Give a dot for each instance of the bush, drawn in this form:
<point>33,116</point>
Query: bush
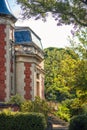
<point>85,108</point>
<point>63,112</point>
<point>78,123</point>
<point>76,107</point>
<point>38,105</point>
<point>27,106</point>
<point>22,121</point>
<point>16,99</point>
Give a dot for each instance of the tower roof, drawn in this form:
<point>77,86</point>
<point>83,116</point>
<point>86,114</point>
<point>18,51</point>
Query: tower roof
<point>4,11</point>
<point>26,36</point>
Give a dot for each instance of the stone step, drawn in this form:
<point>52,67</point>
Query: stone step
<point>55,123</point>
<point>57,120</point>
<point>59,127</point>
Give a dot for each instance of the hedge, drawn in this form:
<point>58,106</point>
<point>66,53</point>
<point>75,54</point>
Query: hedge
<point>78,123</point>
<point>22,121</point>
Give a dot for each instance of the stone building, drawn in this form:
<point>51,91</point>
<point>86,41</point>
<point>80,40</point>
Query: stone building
<point>21,59</point>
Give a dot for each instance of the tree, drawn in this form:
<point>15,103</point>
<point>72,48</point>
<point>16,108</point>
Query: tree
<point>60,73</point>
<point>64,11</point>
<point>79,46</point>
<point>79,43</point>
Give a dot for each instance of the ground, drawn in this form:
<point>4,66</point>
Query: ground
<point>57,124</point>
<point>59,127</point>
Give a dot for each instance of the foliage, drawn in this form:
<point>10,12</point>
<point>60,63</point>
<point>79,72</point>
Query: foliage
<point>63,112</point>
<point>78,123</point>
<point>81,74</point>
<point>27,106</point>
<point>60,70</point>
<point>63,11</point>
<point>66,80</point>
<point>22,121</point>
<point>16,99</point>
<point>38,105</point>
<point>78,43</point>
<point>71,107</point>
<point>79,46</point>
<point>77,108</point>
<point>6,111</point>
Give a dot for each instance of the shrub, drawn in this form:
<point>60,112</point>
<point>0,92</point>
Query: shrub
<point>78,123</point>
<point>16,99</point>
<point>22,121</point>
<point>27,106</point>
<point>76,107</point>
<point>38,105</point>
<point>6,111</point>
<point>63,112</point>
<point>84,108</point>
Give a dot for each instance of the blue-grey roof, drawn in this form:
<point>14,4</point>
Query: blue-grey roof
<point>22,37</point>
<point>4,9</point>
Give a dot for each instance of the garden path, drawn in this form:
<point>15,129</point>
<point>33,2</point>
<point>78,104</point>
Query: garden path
<point>58,124</point>
<point>59,127</point>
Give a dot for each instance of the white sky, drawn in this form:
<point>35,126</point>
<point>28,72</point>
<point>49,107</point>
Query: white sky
<point>51,35</point>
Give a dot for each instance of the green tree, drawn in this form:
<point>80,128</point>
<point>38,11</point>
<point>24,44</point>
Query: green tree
<point>60,73</point>
<point>80,47</point>
<point>64,11</point>
<point>79,101</point>
<point>79,43</point>
<point>66,80</point>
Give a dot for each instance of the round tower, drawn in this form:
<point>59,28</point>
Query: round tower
<point>7,21</point>
<point>29,63</point>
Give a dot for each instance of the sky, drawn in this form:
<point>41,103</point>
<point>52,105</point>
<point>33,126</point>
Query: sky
<point>51,35</point>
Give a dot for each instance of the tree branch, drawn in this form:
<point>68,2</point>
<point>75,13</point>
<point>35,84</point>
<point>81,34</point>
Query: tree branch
<point>84,1</point>
<point>78,21</point>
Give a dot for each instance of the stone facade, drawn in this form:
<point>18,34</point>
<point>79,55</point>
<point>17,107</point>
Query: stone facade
<point>29,70</point>
<point>21,59</point>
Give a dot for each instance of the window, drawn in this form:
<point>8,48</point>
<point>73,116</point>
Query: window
<point>37,76</point>
<point>38,89</point>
